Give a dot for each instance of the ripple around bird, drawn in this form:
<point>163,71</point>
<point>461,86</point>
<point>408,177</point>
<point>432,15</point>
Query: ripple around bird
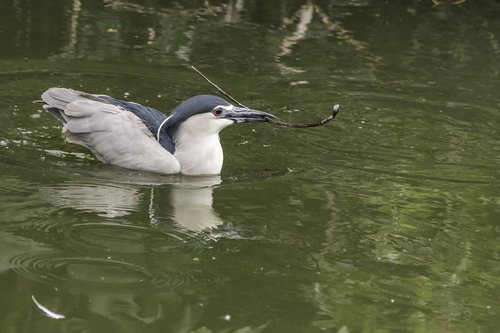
<point>94,272</point>
<point>128,239</point>
<point>50,267</point>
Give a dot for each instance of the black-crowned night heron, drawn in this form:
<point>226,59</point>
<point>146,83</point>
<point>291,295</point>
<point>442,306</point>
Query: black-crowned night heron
<point>138,137</point>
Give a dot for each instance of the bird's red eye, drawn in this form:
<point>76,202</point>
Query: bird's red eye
<point>217,111</point>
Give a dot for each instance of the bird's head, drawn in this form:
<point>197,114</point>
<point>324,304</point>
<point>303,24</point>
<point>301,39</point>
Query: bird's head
<point>208,114</point>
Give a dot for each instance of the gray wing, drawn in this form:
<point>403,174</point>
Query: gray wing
<point>113,134</point>
<point>152,118</point>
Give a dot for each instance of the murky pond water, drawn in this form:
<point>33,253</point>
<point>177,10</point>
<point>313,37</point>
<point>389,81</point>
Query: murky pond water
<point>383,221</point>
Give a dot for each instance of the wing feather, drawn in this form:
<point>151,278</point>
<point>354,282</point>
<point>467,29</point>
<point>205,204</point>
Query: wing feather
<point>117,136</point>
<point>58,98</point>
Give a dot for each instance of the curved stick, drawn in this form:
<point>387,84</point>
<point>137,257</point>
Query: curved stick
<point>335,111</point>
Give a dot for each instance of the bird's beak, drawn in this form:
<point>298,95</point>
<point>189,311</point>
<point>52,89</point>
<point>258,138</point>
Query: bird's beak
<point>245,115</point>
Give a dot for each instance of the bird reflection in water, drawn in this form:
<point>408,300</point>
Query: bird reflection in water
<point>124,274</point>
<point>188,201</point>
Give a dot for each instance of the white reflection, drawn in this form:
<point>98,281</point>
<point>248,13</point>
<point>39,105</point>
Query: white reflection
<point>105,200</point>
<point>189,199</point>
<point>72,39</point>
<point>305,15</point>
<point>193,208</point>
<point>341,32</point>
<point>184,51</point>
<point>49,313</point>
<point>233,9</point>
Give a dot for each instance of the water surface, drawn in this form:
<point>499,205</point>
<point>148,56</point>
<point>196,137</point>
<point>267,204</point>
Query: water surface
<point>383,221</point>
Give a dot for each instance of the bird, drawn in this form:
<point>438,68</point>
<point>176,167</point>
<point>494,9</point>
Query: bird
<point>138,137</point>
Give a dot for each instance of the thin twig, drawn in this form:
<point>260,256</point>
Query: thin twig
<point>335,111</point>
<point>218,88</point>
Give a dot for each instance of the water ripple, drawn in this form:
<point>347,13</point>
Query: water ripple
<point>53,268</point>
<point>49,267</point>
<point>129,239</point>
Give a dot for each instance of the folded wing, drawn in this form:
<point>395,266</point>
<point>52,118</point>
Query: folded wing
<point>113,134</point>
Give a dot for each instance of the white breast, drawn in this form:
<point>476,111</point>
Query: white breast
<point>197,145</point>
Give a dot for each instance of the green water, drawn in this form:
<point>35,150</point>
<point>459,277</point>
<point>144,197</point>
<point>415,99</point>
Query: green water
<point>385,220</point>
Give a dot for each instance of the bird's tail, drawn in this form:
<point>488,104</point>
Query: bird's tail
<point>56,99</point>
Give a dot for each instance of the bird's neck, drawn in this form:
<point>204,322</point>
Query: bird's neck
<point>198,154</point>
